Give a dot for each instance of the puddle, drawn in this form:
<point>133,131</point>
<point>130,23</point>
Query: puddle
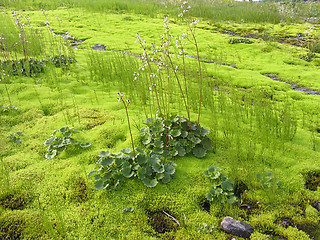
<point>294,86</point>
<point>161,222</point>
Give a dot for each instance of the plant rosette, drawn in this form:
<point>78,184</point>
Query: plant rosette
<point>58,145</point>
<point>175,136</point>
<point>112,168</point>
<point>222,188</point>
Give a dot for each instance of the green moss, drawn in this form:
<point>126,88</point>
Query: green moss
<point>252,120</point>
<point>21,225</point>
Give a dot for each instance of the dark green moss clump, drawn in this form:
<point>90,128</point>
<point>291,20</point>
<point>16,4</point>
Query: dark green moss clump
<point>160,222</point>
<point>13,201</point>
<point>80,190</point>
<point>312,179</point>
<point>11,226</point>
<point>19,224</point>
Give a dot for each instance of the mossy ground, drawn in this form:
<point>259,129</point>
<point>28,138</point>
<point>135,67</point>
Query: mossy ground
<point>54,199</point>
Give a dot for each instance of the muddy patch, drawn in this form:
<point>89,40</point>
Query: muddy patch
<point>162,221</point>
<point>294,86</point>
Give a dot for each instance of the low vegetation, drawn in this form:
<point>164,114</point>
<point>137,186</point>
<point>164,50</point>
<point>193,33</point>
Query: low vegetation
<point>217,115</point>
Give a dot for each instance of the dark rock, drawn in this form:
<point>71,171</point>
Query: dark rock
<point>236,227</point>
<point>316,205</point>
<point>99,47</point>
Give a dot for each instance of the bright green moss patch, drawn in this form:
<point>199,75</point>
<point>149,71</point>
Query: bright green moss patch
<point>265,134</point>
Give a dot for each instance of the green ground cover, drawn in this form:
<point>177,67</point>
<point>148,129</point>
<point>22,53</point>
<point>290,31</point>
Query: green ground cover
<point>265,133</point>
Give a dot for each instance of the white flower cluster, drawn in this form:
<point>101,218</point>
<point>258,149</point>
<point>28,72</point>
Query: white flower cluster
<point>185,8</point>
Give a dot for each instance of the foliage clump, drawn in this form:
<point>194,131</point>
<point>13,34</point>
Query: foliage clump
<point>222,188</point>
<point>240,40</point>
<point>7,109</point>
<point>13,201</point>
<point>32,67</point>
<point>59,144</point>
<point>175,136</point>
<point>112,168</point>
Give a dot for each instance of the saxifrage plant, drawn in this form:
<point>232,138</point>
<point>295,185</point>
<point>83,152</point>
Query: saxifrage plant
<point>15,137</point>
<point>58,144</point>
<point>112,168</point>
<point>175,136</point>
<point>222,188</point>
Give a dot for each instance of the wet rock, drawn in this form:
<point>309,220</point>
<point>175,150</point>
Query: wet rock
<point>316,205</point>
<point>236,227</point>
<point>99,47</point>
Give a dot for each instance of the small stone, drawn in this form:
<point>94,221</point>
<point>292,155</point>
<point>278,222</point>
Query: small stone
<point>99,47</point>
<point>236,227</point>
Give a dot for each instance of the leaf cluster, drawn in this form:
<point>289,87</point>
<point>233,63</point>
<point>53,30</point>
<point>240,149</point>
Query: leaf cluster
<point>175,136</point>
<point>222,188</point>
<point>112,168</point>
<point>32,67</point>
<point>240,40</point>
<point>58,144</point>
<point>8,108</point>
<point>15,137</point>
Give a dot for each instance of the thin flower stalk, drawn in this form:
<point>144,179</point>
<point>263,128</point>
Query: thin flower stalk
<point>125,104</point>
<point>191,25</point>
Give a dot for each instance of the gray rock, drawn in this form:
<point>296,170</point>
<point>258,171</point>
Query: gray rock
<point>236,227</point>
<point>99,47</point>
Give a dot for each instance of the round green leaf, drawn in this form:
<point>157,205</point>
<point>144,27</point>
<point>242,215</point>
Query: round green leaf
<point>51,155</point>
<point>166,178</point>
<point>85,145</point>
<point>142,173</point>
<point>50,140</point>
<point>141,159</point>
<point>74,142</point>
<point>150,182</point>
<point>170,169</point>
<point>104,154</point>
<point>91,173</point>
<point>100,185</point>
<point>146,139</point>
<point>206,143</point>
<point>181,151</point>
<point>199,151</point>
<point>138,150</point>
<point>184,134</point>
<point>63,129</point>
<point>126,150</point>
<point>158,167</point>
<point>127,172</point>
<point>227,186</point>
<point>175,132</point>
<point>107,162</point>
